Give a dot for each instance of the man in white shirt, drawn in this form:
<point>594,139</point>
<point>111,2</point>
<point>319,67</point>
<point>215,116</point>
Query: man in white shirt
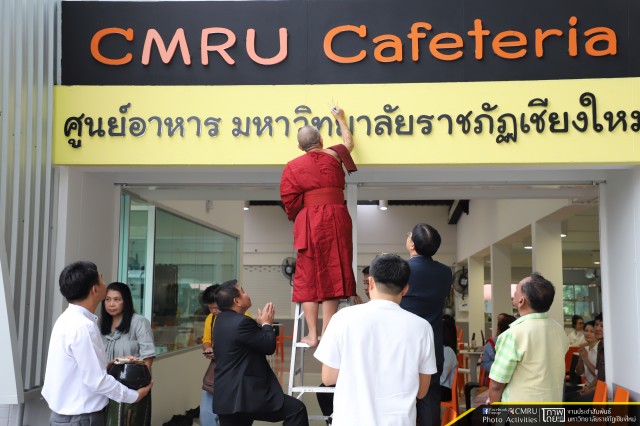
<point>76,384</point>
<point>380,356</point>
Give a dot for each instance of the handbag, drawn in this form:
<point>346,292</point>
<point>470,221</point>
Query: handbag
<point>207,380</point>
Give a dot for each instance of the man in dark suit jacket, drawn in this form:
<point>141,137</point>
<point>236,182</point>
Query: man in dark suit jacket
<point>246,389</point>
<point>429,285</point>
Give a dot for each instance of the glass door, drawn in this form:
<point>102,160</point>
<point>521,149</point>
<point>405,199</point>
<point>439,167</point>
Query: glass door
<point>137,228</point>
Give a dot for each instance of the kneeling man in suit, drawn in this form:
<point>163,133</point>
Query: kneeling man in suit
<point>246,389</point>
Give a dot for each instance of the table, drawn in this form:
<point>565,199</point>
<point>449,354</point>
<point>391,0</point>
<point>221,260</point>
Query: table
<point>474,357</point>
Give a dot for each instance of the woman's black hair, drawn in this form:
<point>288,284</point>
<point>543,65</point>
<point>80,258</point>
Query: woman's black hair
<point>449,332</point>
<point>106,320</point>
<point>574,320</point>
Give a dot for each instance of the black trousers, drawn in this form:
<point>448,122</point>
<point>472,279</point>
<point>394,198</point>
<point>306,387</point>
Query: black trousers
<point>293,413</point>
<point>429,406</point>
<point>325,401</point>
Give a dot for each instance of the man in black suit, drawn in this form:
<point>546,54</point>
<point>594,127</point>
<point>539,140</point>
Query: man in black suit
<point>246,389</point>
<point>429,285</point>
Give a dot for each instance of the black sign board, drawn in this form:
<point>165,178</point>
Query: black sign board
<point>346,41</point>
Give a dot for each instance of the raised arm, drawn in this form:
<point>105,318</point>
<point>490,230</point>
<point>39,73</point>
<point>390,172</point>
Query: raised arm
<point>347,137</point>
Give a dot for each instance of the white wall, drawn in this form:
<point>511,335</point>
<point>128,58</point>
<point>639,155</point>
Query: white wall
<point>11,385</point>
<point>88,221</point>
<point>268,239</point>
<point>386,231</point>
<point>620,257</point>
<point>268,235</point>
<point>490,221</point>
<point>87,229</point>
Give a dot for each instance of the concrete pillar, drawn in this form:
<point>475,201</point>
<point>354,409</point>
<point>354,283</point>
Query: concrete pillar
<point>476,297</point>
<point>547,260</point>
<point>352,206</point>
<point>620,260</point>
<point>500,283</point>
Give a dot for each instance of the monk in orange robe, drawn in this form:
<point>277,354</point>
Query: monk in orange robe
<point>312,190</point>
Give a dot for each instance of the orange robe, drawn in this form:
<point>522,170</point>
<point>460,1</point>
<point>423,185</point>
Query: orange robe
<point>322,225</point>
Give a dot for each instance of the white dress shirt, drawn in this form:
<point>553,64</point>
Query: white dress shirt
<point>593,359</point>
<point>76,380</point>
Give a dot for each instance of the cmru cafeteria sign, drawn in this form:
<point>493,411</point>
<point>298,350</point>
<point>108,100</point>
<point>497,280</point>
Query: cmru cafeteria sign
<point>294,42</point>
<point>456,82</point>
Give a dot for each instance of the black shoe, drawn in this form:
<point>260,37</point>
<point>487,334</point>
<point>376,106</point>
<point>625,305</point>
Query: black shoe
<point>194,413</point>
<point>179,420</point>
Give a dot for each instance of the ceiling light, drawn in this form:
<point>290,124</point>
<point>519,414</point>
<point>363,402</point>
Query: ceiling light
<point>246,205</point>
<point>563,235</point>
<point>383,205</point>
<point>528,247</point>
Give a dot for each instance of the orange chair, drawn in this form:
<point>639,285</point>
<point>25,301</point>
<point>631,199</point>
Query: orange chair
<point>569,356</point>
<point>462,381</point>
<point>280,343</point>
<point>621,395</point>
<point>451,407</point>
<point>600,394</point>
<point>460,332</point>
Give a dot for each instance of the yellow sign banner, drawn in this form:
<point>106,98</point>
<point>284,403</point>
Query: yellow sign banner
<point>589,121</point>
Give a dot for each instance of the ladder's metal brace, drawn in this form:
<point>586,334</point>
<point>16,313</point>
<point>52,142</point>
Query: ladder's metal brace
<point>297,350</point>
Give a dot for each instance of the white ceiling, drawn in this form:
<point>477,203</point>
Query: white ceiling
<point>579,186</point>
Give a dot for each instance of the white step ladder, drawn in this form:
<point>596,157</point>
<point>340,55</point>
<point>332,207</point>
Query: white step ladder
<point>296,370</point>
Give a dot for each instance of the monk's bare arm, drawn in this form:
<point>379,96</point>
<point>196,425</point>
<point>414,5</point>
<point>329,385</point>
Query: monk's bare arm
<point>347,137</point>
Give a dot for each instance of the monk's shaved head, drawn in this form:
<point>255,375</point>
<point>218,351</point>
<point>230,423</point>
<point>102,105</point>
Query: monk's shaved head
<point>308,137</point>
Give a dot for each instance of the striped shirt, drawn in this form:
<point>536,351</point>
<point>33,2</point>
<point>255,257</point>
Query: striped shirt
<point>530,359</point>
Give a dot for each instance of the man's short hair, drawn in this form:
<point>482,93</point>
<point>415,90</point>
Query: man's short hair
<point>209,294</point>
<point>365,270</point>
<point>225,294</point>
<point>390,273</point>
<point>592,323</point>
<point>426,239</point>
<point>308,137</point>
<point>77,279</point>
<point>539,292</point>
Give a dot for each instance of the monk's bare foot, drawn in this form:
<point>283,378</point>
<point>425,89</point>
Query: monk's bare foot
<point>309,341</point>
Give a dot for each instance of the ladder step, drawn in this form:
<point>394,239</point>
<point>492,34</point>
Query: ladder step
<point>315,389</point>
<point>319,417</point>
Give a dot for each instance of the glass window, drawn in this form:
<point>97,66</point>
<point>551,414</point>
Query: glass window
<point>569,307</point>
<point>185,258</point>
<point>568,292</point>
<point>576,301</point>
<point>188,258</point>
<point>138,253</point>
